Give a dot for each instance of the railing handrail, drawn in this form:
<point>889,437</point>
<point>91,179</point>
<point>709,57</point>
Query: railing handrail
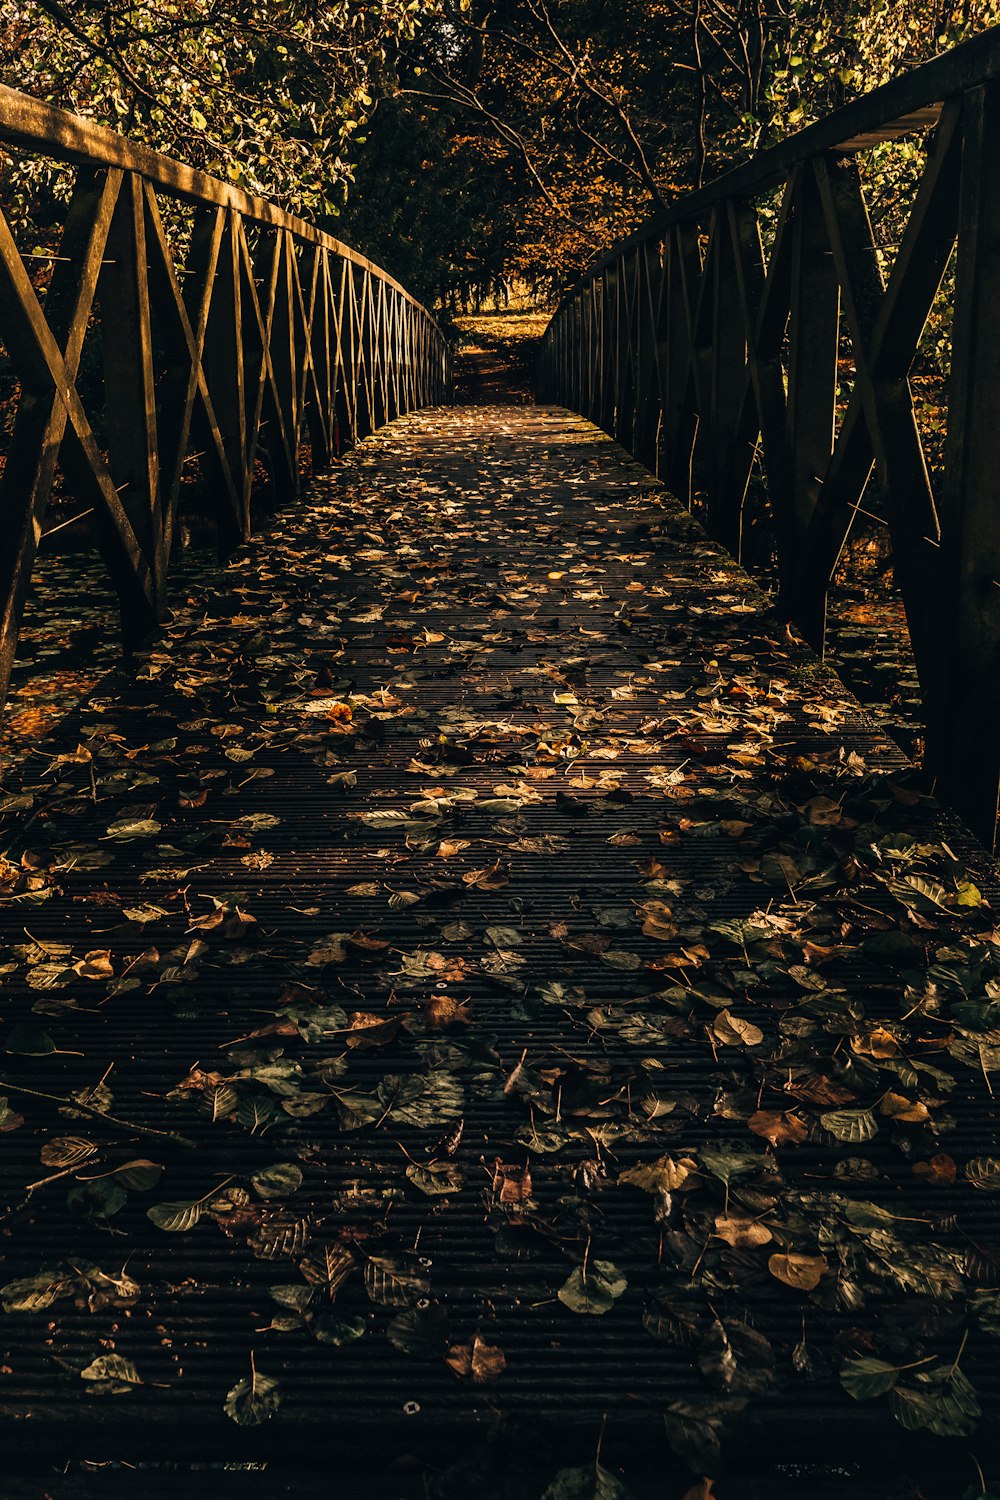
<point>710,344</point>
<point>32,124</point>
<point>903,100</point>
<point>284,329</point>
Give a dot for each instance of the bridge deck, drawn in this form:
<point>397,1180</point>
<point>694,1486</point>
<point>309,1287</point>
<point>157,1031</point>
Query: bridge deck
<point>451,876</point>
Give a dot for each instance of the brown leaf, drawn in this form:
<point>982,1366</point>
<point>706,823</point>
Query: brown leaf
<point>484,1362</point>
<point>801,1272</point>
<point>701,1491</point>
<point>939,1171</point>
<point>779,1127</point>
<point>492,878</point>
<point>741,1232</point>
<point>663,1175</point>
<point>513,1182</point>
<point>878,1041</point>
<point>822,811</point>
<point>907,1111</point>
<point>818,1089</point>
<point>370,1029</point>
<point>658,922</point>
<point>96,965</point>
<point>733,1030</point>
<point>441,1011</point>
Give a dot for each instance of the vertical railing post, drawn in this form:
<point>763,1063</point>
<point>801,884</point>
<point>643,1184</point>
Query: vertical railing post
<point>813,340</point>
<point>964,735</point>
<point>728,365</point>
<point>130,412</point>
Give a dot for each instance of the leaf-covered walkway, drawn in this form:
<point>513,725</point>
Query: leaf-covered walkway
<point>481,970</point>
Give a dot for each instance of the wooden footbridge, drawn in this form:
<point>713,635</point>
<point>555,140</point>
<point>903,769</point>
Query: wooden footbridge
<point>483,1009</point>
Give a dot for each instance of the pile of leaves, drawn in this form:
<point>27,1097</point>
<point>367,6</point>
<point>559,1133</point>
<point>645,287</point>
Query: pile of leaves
<point>481,963</point>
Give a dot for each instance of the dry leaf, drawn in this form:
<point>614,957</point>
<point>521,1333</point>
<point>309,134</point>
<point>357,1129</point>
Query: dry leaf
<point>803,1272</point>
<point>483,1361</point>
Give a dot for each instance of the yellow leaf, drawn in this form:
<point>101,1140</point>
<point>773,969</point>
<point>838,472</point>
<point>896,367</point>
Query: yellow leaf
<point>801,1272</point>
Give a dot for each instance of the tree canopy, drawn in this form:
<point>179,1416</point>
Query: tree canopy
<point>469,143</point>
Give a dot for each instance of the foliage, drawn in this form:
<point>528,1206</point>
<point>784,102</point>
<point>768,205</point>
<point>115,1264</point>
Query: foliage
<point>267,94</point>
<point>460,142</point>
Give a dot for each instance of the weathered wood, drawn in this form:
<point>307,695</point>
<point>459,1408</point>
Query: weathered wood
<point>41,418</point>
<point>746,364</point>
<point>251,341</point>
<point>965,741</point>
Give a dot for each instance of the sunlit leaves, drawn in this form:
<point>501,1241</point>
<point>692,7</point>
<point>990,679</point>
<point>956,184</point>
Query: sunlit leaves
<point>801,1272</point>
<point>481,1361</point>
<point>111,1375</point>
<point>175,1218</point>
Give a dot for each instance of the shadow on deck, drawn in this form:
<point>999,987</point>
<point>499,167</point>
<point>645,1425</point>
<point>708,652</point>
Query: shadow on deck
<point>481,979</point>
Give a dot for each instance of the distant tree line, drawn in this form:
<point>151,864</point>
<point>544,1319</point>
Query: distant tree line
<point>465,143</point>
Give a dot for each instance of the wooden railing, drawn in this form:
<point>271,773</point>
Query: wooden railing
<point>716,363</point>
<point>218,318</point>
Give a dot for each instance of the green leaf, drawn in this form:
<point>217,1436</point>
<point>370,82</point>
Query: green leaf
<point>392,1282</point>
<point>34,1294</point>
<point>278,1181</point>
<point>728,1164</point>
<point>133,828</point>
<point>421,1331</point>
<point>99,1199</point>
<point>866,1378</point>
<point>175,1218</point>
<point>112,1375</point>
<point>853,1126</point>
<point>590,1482</point>
<point>595,1291</point>
<point>254,1399</point>
<point>436,1178</point>
<point>338,1332</point>
<point>984,1173</point>
<point>29,1040</point>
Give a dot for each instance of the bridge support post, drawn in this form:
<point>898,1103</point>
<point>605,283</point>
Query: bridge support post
<point>964,739</point>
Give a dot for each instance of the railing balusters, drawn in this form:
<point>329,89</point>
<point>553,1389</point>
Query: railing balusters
<point>271,331</point>
<point>713,362</point>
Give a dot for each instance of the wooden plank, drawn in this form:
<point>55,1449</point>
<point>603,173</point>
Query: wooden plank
<point>764,294</point>
<point>680,419</point>
<point>726,383</point>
